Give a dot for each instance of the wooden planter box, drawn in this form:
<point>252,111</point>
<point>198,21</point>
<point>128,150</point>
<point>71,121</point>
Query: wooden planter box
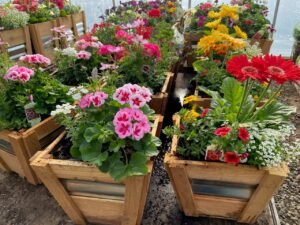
<point>19,42</point>
<point>89,196</point>
<point>16,148</point>
<point>79,24</point>
<point>221,190</point>
<point>68,23</point>
<point>190,42</point>
<point>42,38</point>
<point>159,101</point>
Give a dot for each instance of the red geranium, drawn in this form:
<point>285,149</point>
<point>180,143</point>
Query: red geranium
<point>204,112</point>
<point>152,50</point>
<point>277,68</point>
<point>59,3</point>
<point>223,131</point>
<point>241,68</point>
<point>154,13</point>
<point>243,134</point>
<point>144,31</point>
<point>231,157</point>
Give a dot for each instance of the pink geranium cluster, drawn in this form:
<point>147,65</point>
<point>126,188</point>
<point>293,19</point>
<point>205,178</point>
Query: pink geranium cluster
<point>130,122</point>
<point>17,73</point>
<point>36,59</point>
<point>96,99</point>
<point>109,49</point>
<point>123,35</point>
<point>83,55</point>
<point>132,94</point>
<point>152,50</point>
<point>87,41</point>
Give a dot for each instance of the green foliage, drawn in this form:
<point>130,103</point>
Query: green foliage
<point>12,19</point>
<point>44,13</point>
<point>209,74</point>
<point>46,91</point>
<point>69,9</point>
<point>297,32</point>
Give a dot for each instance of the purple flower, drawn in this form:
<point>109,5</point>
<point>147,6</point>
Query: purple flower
<point>201,21</point>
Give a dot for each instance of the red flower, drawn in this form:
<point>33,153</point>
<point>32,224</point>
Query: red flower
<point>241,68</point>
<point>277,68</point>
<point>152,50</point>
<point>59,3</point>
<point>182,127</point>
<point>204,112</point>
<point>243,134</point>
<point>231,157</point>
<point>223,131</point>
<point>144,31</point>
<point>212,155</point>
<point>154,13</point>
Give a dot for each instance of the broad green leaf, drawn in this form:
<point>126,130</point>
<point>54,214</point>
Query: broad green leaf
<point>197,66</point>
<point>91,134</point>
<point>233,92</point>
<point>90,151</point>
<point>137,164</point>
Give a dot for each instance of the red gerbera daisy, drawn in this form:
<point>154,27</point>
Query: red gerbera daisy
<point>277,68</point>
<point>241,68</point>
<point>232,157</point>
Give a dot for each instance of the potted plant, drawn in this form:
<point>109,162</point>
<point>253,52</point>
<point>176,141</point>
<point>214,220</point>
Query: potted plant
<point>15,32</point>
<point>28,95</point>
<point>229,160</point>
<point>108,146</point>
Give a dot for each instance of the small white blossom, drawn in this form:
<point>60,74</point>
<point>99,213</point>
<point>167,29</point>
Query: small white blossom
<point>65,109</point>
<point>69,52</point>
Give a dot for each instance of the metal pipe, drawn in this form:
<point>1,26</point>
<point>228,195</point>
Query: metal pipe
<point>190,4</point>
<point>275,15</point>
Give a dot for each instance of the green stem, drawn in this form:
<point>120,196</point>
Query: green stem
<point>126,159</point>
<point>268,102</point>
<point>243,99</point>
<point>261,97</point>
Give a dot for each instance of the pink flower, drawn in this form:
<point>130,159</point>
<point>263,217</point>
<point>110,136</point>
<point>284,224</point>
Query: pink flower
<point>83,55</point>
<point>83,44</point>
<point>36,59</point>
<point>152,50</point>
<point>138,115</point>
<point>123,129</point>
<point>121,34</point>
<point>106,49</point>
<point>105,66</point>
<point>132,94</point>
<point>137,101</point>
<point>97,99</point>
<point>145,126</point>
<point>137,133</point>
<point>123,115</point>
<point>18,73</point>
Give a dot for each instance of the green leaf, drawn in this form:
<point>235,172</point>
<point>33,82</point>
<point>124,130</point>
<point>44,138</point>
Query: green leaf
<point>91,134</point>
<point>233,92</point>
<point>275,112</point>
<point>115,146</point>
<point>198,66</point>
<point>90,151</point>
<point>137,164</point>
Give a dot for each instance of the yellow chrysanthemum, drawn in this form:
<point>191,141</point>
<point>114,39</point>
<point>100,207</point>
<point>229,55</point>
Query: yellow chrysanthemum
<point>239,32</point>
<point>219,43</point>
<point>190,116</point>
<point>189,99</point>
<point>214,24</point>
<point>222,28</point>
<point>171,10</point>
<point>213,14</point>
<point>229,11</point>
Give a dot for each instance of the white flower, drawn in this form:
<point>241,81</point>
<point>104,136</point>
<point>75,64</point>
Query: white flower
<point>65,109</point>
<point>69,52</point>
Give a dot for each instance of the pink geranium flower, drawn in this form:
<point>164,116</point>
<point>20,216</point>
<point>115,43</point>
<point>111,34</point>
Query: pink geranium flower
<point>83,55</point>
<point>137,101</point>
<point>123,129</point>
<point>152,50</point>
<point>16,73</point>
<point>36,59</point>
<point>96,99</point>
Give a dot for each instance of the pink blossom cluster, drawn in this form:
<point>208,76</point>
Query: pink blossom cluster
<point>83,55</point>
<point>36,59</point>
<point>21,73</point>
<point>96,99</point>
<point>83,44</point>
<point>136,23</point>
<point>109,49</point>
<point>152,50</point>
<point>123,35</point>
<point>132,94</point>
<point>130,122</point>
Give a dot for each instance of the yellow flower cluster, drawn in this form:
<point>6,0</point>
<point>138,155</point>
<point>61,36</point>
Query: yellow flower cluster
<point>171,7</point>
<point>219,43</point>
<point>191,115</point>
<point>225,11</point>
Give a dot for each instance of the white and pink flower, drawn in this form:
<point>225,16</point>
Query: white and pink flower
<point>130,122</point>
<point>96,99</point>
<point>17,73</point>
<point>36,59</point>
<point>83,55</point>
<point>132,94</point>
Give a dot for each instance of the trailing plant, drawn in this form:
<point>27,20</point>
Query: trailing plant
<point>11,18</point>
<point>112,131</point>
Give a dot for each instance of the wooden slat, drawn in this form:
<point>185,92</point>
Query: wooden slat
<point>58,191</point>
<point>184,190</point>
<point>67,169</point>
<point>219,207</point>
<point>77,18</point>
<point>267,188</point>
<point>102,211</point>
<point>10,162</point>
<point>31,142</point>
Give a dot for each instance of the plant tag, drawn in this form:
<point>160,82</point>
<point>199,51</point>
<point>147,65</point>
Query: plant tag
<point>213,155</point>
<point>32,116</point>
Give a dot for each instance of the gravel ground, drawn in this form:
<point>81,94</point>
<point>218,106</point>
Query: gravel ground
<point>24,204</point>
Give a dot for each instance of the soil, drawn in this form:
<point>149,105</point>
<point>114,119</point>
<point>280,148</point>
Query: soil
<point>24,204</point>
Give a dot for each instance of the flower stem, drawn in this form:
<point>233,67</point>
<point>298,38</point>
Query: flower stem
<point>243,99</point>
<point>268,102</point>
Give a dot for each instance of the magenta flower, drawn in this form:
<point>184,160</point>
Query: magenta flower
<point>122,95</point>
<point>137,101</point>
<point>137,133</point>
<point>123,130</point>
<point>106,49</point>
<point>96,99</point>
<point>152,50</point>
<point>83,55</point>
<point>85,101</point>
<point>121,34</point>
